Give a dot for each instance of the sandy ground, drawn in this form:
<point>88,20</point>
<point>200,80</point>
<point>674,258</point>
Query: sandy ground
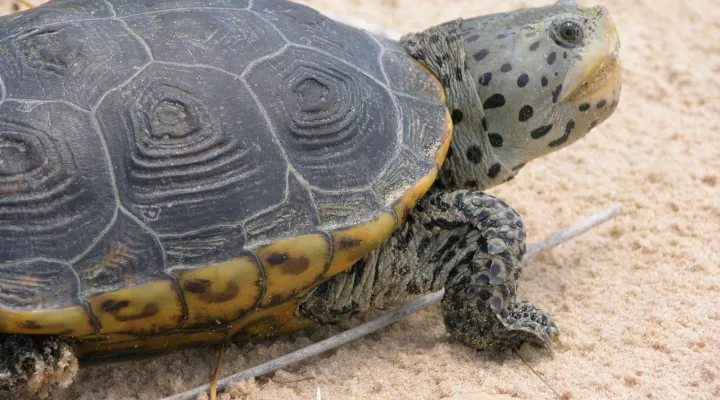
<point>637,300</point>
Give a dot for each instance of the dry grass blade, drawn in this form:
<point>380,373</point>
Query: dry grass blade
<point>392,316</point>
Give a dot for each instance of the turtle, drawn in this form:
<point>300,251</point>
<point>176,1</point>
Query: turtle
<point>177,173</point>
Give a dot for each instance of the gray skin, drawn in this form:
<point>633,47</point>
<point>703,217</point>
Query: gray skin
<point>457,238</point>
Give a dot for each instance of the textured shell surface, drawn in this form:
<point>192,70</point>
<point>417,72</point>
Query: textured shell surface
<point>142,141</point>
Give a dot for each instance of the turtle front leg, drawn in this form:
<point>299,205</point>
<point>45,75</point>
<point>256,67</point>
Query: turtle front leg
<point>480,306</point>
<point>468,242</point>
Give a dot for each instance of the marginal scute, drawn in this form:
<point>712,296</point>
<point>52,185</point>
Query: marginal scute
<point>40,297</point>
<point>353,243</point>
<point>409,77</point>
<point>203,247</point>
<point>224,39</point>
<point>269,323</point>
<point>221,293</point>
<point>67,321</point>
<point>421,124</point>
<point>325,116</point>
<point>37,285</point>
<point>75,62</point>
<point>294,216</point>
<point>122,345</point>
<point>341,209</point>
<point>126,255</point>
<point>209,165</point>
<point>406,170</point>
<point>293,265</point>
<point>405,204</point>
<point>55,187</point>
<point>145,309</point>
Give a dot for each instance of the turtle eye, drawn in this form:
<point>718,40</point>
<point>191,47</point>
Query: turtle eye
<point>568,34</point>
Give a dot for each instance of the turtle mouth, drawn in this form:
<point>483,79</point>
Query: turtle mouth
<point>604,78</point>
<point>599,69</point>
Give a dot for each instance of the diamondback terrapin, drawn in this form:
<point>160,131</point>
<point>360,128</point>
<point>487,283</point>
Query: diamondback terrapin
<point>177,172</point>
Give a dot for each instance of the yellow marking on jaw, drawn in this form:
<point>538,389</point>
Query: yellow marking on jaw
<point>143,309</point>
<point>603,79</point>
<point>293,265</point>
<point>69,321</point>
<point>221,293</point>
<point>352,244</point>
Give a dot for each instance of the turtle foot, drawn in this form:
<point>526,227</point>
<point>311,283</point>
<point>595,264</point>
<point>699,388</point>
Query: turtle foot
<point>479,305</point>
<point>527,323</point>
<point>35,365</point>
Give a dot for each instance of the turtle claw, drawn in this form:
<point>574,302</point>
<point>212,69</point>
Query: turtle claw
<point>532,323</point>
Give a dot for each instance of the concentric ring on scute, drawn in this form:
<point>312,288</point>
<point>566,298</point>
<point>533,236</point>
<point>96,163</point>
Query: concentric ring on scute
<point>67,62</point>
<point>185,151</point>
<point>55,195</point>
<point>325,116</point>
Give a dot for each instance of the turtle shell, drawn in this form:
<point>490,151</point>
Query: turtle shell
<point>175,172</point>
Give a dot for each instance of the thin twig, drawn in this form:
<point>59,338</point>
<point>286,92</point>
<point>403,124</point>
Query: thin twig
<point>571,232</point>
<point>392,316</point>
<point>536,374</point>
<point>216,374</point>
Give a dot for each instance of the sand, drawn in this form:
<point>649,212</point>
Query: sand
<point>637,300</point>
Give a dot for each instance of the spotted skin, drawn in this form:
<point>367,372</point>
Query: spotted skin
<point>541,65</point>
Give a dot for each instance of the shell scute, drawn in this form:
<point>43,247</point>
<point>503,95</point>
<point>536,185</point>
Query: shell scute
<point>221,293</point>
<point>143,309</point>
<point>293,265</point>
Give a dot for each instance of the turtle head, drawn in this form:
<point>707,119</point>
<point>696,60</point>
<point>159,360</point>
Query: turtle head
<point>546,76</point>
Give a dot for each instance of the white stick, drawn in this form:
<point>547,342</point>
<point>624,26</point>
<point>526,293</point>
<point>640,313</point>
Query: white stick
<point>392,316</point>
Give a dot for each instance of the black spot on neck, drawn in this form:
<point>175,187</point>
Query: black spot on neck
<point>584,107</point>
<point>485,78</point>
<point>494,170</point>
<point>496,139</point>
<point>507,67</point>
<point>526,112</point>
<point>601,104</point>
<point>457,116</point>
<point>568,130</point>
<point>544,81</point>
<point>551,58</point>
<point>592,125</point>
<point>474,154</point>
<point>534,46</point>
<point>495,101</point>
<point>480,55</point>
<point>523,80</point>
<point>541,131</point>
<point>556,93</point>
